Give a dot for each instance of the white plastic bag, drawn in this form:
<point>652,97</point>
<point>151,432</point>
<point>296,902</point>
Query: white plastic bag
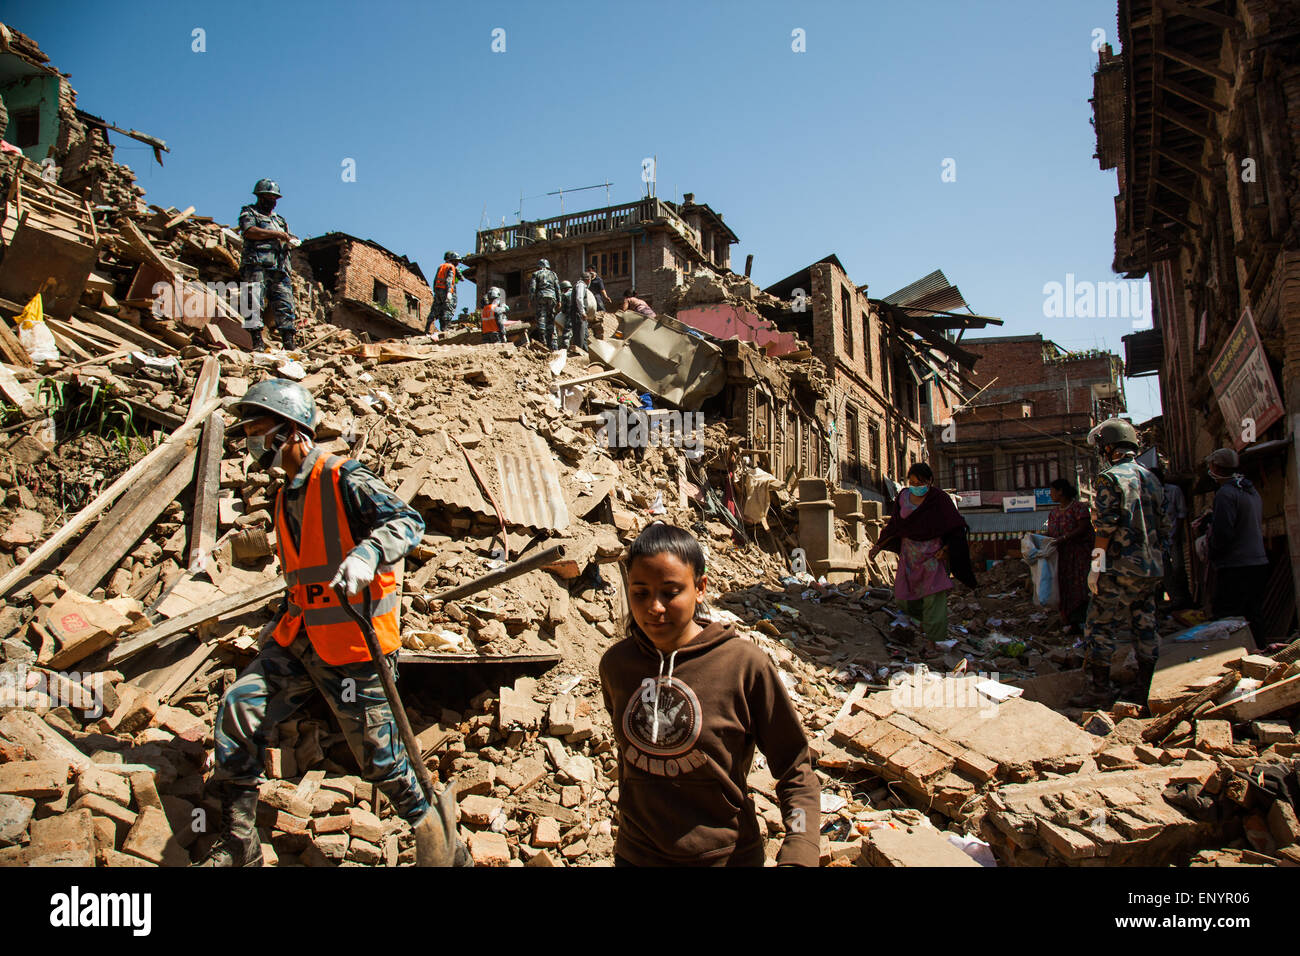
<point>35,335</point>
<point>1039,551</point>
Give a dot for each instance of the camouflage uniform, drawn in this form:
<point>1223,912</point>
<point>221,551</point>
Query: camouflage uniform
<point>443,310</point>
<point>1128,505</point>
<point>282,679</point>
<point>578,303</point>
<point>266,265</point>
<point>545,293</point>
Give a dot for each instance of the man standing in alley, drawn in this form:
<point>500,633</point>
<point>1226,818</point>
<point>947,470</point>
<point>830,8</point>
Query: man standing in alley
<point>337,526</point>
<point>266,264</point>
<point>545,295</point>
<point>1131,527</point>
<point>1236,543</point>
<point>444,292</point>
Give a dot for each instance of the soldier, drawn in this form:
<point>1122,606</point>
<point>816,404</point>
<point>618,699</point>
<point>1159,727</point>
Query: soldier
<point>494,316</point>
<point>545,295</point>
<point>1128,565</point>
<point>444,292</point>
<point>337,525</point>
<point>577,306</point>
<point>266,263</point>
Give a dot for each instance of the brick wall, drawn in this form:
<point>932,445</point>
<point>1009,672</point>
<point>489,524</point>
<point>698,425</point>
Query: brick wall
<point>360,265</point>
<point>1022,374</point>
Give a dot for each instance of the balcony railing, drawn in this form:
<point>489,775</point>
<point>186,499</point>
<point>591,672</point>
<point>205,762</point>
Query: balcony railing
<point>589,223</point>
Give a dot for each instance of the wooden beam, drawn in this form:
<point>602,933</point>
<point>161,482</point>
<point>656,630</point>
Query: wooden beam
<point>13,350</point>
<point>1178,191</point>
<point>1188,164</point>
<point>138,492</point>
<point>1186,59</point>
<point>1205,132</point>
<point>203,517</point>
<point>1176,88</point>
<point>1259,702</point>
<point>138,337</point>
<point>253,597</point>
<point>1200,13</point>
<point>132,527</point>
<point>1159,728</point>
<point>96,507</point>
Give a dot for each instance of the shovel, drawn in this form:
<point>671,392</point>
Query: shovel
<point>442,803</point>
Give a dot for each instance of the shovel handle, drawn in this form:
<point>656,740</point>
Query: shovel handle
<point>390,687</point>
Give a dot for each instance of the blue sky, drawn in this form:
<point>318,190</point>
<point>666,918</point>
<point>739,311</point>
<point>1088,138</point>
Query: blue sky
<point>836,149</point>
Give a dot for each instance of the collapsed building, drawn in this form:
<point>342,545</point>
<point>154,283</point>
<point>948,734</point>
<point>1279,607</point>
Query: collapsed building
<point>371,289</point>
<point>1198,117</point>
<point>138,573</point>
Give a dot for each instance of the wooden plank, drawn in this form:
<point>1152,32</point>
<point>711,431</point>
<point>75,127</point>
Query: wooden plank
<point>168,680</point>
<point>136,240</point>
<point>100,504</point>
<point>159,633</point>
<point>124,330</point>
<point>179,218</point>
<point>1159,728</point>
<point>1259,702</point>
<point>13,349</point>
<point>137,493</point>
<point>12,388</point>
<point>203,517</point>
<point>132,527</point>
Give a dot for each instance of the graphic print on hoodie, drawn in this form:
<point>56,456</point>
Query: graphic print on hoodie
<point>687,724</point>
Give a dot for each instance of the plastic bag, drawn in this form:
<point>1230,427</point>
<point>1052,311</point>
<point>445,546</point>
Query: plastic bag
<point>34,334</point>
<point>1039,552</point>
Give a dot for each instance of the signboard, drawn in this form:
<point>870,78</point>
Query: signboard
<point>1019,503</point>
<point>1043,496</point>
<point>968,499</point>
<point>1243,384</point>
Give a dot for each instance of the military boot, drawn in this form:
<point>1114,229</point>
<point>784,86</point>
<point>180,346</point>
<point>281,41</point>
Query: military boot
<point>288,339</point>
<point>1141,686</point>
<point>1098,693</point>
<point>238,843</point>
<point>256,336</point>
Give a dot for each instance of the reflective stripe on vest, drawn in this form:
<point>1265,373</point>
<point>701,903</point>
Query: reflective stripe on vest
<point>440,280</point>
<point>308,569</point>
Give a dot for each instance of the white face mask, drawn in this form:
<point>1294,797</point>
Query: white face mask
<point>260,447</point>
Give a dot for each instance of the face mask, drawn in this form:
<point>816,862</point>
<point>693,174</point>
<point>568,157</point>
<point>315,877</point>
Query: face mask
<point>919,490</point>
<point>263,453</point>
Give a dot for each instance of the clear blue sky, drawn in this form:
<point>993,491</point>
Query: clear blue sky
<point>837,149</point>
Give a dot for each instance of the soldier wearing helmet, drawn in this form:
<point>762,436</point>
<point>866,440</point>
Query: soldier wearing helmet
<point>266,264</point>
<point>544,291</point>
<point>337,526</point>
<point>494,316</point>
<point>1129,517</point>
<point>444,292</point>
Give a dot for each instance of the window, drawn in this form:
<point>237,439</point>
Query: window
<point>1035,470</point>
<point>379,293</point>
<point>611,265</point>
<point>884,364</point>
<point>866,341</point>
<point>412,304</point>
<point>27,127</point>
<point>966,474</point>
<point>514,283</point>
<point>854,470</point>
<point>846,316</point>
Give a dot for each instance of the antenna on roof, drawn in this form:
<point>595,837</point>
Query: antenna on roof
<point>578,189</point>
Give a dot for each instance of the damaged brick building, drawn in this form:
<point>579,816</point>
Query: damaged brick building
<point>374,290</point>
<point>1200,118</point>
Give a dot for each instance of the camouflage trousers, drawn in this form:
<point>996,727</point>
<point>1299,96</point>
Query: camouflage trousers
<point>443,311</point>
<point>546,309</point>
<point>279,682</point>
<point>574,333</point>
<point>1121,601</point>
<point>271,287</point>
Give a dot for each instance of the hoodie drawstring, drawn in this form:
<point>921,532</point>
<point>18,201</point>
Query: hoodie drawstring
<point>654,725</point>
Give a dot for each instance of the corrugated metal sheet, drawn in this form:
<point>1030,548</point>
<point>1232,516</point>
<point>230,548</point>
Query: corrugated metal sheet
<point>931,292</point>
<point>1003,522</point>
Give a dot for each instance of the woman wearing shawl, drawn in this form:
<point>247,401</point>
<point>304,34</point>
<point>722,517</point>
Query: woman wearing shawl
<point>930,538</point>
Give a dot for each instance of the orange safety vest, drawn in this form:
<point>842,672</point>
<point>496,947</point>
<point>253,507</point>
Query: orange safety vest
<point>490,318</point>
<point>444,271</point>
<point>326,541</point>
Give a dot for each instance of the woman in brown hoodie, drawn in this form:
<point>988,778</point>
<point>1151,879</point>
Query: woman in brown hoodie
<point>690,700</point>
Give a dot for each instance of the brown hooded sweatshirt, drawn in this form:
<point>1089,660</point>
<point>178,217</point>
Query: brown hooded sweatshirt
<point>684,752</point>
